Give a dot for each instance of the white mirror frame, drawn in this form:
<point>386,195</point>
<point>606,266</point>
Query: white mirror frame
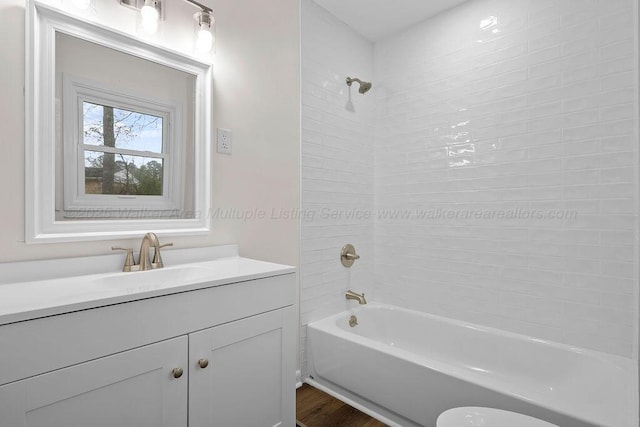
<point>43,22</point>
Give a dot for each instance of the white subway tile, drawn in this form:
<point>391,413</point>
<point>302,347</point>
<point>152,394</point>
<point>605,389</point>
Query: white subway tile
<point>537,118</point>
<point>623,49</point>
<point>618,65</point>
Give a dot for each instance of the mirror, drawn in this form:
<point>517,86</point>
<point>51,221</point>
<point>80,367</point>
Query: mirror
<point>117,136</point>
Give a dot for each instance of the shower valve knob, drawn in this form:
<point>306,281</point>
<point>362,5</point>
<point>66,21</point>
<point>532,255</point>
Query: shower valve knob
<point>348,255</point>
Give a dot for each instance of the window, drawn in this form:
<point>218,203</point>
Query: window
<point>122,151</point>
<point>126,155</point>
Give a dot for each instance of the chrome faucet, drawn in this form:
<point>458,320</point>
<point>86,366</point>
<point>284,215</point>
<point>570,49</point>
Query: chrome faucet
<point>356,296</point>
<point>144,261</point>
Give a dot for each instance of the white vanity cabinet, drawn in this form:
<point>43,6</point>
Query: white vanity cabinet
<point>133,388</point>
<point>218,356</point>
<point>242,383</point>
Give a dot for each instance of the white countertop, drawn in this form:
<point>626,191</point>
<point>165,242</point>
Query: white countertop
<point>38,297</point>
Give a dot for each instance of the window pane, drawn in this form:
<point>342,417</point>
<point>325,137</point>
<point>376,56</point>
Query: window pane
<point>107,173</point>
<point>115,127</point>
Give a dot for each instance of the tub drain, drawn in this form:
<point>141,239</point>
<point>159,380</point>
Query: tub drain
<point>353,321</point>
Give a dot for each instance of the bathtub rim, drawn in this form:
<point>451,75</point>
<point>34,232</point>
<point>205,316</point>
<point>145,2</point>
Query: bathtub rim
<point>624,363</point>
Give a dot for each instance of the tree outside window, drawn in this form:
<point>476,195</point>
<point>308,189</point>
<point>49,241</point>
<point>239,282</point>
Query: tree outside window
<point>123,151</point>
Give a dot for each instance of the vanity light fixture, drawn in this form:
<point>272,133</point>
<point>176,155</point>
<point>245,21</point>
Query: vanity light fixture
<point>151,13</point>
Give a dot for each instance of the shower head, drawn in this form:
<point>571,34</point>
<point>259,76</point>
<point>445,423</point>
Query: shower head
<point>364,86</point>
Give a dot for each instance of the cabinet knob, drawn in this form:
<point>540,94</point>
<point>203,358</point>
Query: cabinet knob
<point>203,363</point>
<point>177,372</point>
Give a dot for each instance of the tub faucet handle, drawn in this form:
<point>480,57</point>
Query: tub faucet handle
<point>348,255</point>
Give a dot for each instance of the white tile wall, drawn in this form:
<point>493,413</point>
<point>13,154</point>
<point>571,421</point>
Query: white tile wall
<point>500,105</point>
<point>337,165</point>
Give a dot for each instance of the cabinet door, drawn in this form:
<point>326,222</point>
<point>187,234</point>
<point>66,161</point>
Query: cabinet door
<point>133,388</point>
<point>250,377</point>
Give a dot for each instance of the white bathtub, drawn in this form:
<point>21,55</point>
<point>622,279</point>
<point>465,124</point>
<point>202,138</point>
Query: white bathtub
<point>407,367</point>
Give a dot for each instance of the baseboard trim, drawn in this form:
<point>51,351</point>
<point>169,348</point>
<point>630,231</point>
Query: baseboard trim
<point>298,379</point>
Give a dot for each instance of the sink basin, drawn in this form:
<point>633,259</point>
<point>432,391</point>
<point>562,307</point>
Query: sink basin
<point>154,279</point>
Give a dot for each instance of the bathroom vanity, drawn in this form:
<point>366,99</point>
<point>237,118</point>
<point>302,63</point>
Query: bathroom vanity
<point>204,343</point>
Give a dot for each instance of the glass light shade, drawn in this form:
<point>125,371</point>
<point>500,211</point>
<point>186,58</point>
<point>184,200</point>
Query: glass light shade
<point>204,40</point>
<point>205,25</point>
<point>149,26</point>
<point>149,12</point>
<point>81,4</point>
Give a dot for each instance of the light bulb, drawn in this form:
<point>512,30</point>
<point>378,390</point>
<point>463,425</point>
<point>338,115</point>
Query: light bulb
<point>149,26</point>
<point>204,36</point>
<point>150,17</point>
<point>204,40</point>
<point>81,4</point>
<point>149,12</point>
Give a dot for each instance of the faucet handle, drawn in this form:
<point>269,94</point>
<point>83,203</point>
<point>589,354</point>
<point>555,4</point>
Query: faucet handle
<point>128,261</point>
<point>157,258</point>
<point>348,255</point>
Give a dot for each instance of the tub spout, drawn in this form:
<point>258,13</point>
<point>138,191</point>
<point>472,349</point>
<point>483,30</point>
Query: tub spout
<point>356,296</point>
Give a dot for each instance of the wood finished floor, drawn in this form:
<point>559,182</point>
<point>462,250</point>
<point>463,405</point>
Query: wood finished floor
<point>315,408</point>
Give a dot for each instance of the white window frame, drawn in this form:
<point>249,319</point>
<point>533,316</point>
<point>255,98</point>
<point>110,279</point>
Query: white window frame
<point>77,203</point>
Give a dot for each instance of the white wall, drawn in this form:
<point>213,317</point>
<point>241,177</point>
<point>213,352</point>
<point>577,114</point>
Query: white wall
<point>337,165</point>
<point>537,112</point>
<point>256,95</point>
